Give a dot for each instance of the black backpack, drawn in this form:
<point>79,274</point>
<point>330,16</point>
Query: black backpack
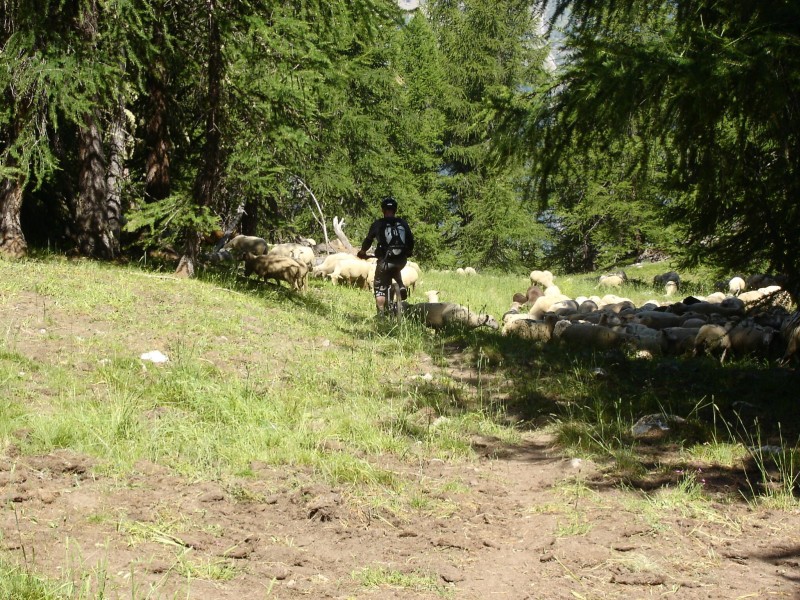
<point>395,234</point>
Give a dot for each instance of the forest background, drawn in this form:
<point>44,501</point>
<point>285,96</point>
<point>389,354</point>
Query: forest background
<point>569,135</point>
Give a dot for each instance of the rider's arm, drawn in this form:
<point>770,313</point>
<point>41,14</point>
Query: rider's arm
<point>373,232</point>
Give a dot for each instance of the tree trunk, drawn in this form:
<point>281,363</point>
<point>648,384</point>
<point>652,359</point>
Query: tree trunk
<point>94,237</point>
<point>12,240</point>
<point>208,177</point>
<point>157,178</point>
<point>115,177</point>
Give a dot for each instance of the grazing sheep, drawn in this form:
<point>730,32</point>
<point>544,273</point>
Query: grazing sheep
<point>470,271</point>
<point>736,285</point>
<point>665,278</point>
<point>299,252</point>
<point>739,339</point>
<point>278,268</point>
<point>242,244</point>
<point>355,272</point>
<point>460,271</point>
<point>441,314</point>
<point>543,278</point>
<point>614,280</point>
<point>327,266</point>
<point>670,288</point>
<point>410,276</point>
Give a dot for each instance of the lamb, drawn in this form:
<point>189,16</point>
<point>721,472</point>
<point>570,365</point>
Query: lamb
<point>736,285</point>
<point>242,244</point>
<point>279,268</point>
<point>441,314</point>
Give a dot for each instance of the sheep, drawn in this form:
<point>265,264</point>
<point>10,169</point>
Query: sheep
<point>543,304</point>
<point>432,295</point>
<point>588,335</point>
<point>531,329</point>
<point>790,331</point>
<point>470,271</point>
<point>665,278</point>
<point>679,340</point>
<point>520,298</point>
<point>656,320</point>
<point>736,285</point>
<point>354,272</point>
<point>532,293</point>
<point>670,288</point>
<point>614,280</point>
<point>744,337</point>
<point>410,276</point>
<point>299,252</point>
<point>460,271</point>
<point>441,314</point>
<point>242,244</point>
<point>327,266</point>
<point>553,290</point>
<point>279,268</point>
<point>543,278</point>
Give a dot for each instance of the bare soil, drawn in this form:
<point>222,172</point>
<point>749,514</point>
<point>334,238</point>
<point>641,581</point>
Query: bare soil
<point>517,522</point>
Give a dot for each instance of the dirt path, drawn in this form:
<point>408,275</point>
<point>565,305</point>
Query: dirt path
<point>526,525</point>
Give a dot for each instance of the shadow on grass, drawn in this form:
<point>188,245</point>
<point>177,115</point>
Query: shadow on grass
<point>601,395</point>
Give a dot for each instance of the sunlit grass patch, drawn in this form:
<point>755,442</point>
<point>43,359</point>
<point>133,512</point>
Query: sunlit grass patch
<point>379,576</point>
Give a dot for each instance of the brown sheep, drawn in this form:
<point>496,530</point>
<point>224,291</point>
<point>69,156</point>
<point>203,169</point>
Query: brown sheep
<point>278,268</point>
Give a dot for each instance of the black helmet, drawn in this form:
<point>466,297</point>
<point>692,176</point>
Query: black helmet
<point>389,202</point>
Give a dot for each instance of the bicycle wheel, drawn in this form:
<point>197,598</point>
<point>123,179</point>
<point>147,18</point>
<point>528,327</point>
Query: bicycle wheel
<point>395,302</point>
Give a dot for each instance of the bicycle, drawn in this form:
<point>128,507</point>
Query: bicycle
<point>394,300</point>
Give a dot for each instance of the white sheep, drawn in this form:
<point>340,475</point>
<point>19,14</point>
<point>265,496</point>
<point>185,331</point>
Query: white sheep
<point>589,336</point>
<point>441,314</point>
<point>299,252</point>
<point>460,271</point>
<point>470,271</point>
<point>531,329</point>
<point>242,244</point>
<point>670,288</point>
<point>354,272</point>
<point>543,304</point>
<point>543,278</point>
<point>736,285</point>
<point>615,280</point>
<point>327,266</point>
<point>744,337</point>
<point>432,295</point>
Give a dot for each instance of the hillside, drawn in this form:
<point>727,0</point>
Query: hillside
<point>294,447</point>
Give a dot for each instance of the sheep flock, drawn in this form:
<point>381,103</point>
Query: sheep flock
<point>747,317</point>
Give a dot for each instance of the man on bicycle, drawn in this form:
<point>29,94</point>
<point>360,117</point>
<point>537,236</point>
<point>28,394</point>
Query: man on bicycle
<point>395,245</point>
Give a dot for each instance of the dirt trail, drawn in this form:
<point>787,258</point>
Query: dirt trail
<point>525,525</point>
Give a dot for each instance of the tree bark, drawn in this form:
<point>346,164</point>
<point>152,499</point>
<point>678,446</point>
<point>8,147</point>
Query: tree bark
<point>207,179</point>
<point>93,237</point>
<point>117,175</point>
<point>12,240</point>
<point>157,175</point>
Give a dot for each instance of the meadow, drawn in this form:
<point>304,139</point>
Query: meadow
<point>260,379</point>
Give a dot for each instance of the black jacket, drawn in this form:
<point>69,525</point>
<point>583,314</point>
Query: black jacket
<point>376,231</point>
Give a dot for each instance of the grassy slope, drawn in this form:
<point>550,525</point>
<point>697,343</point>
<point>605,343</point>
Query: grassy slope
<point>258,373</point>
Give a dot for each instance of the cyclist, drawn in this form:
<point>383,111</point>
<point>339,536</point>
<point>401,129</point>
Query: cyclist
<point>395,245</point>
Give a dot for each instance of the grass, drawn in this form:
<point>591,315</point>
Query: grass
<point>258,373</point>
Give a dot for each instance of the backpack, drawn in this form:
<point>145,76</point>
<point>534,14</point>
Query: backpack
<point>395,235</point>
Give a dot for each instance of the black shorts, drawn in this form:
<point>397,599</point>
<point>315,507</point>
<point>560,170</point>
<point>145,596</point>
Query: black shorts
<point>385,272</point>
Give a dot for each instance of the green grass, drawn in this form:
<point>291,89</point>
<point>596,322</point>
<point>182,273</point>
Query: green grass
<point>258,373</point>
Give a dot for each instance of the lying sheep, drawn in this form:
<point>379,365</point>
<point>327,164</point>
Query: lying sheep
<point>242,244</point>
<point>589,336</point>
<point>531,329</point>
<point>543,304</point>
<point>533,293</point>
<point>680,340</point>
<point>278,268</point>
<point>432,295</point>
<point>441,314</point>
